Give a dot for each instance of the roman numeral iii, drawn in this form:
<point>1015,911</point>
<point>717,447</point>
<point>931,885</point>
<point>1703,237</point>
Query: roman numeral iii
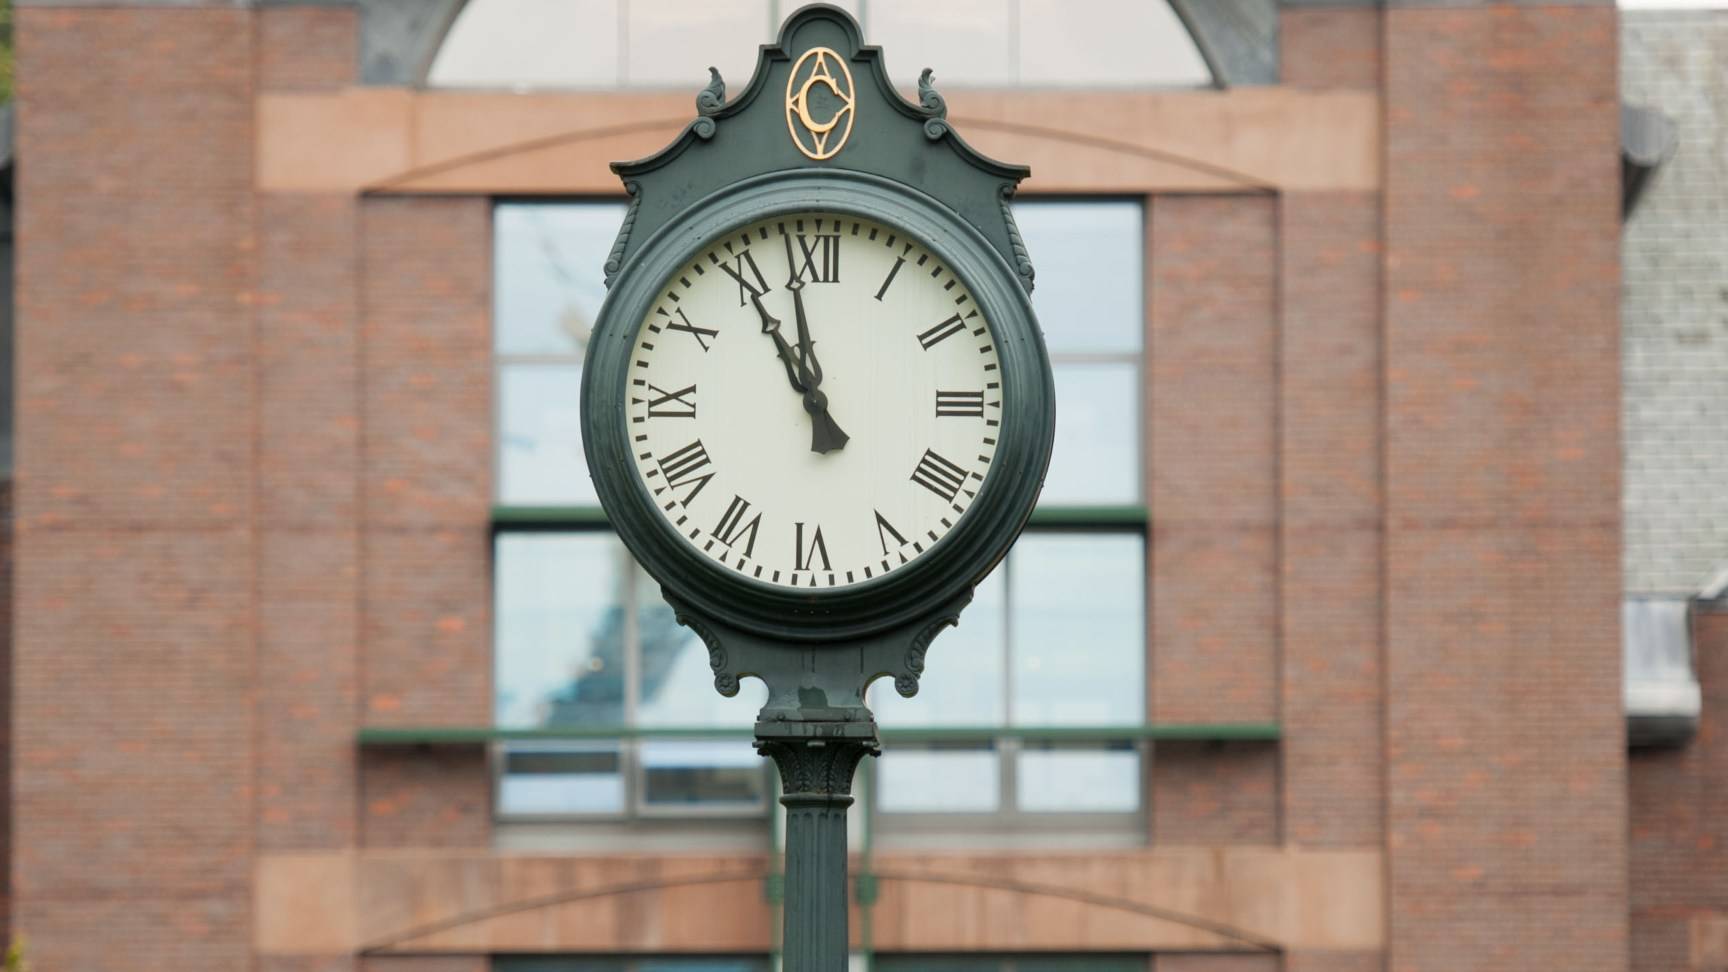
<point>732,525</point>
<point>939,476</point>
<point>674,404</point>
<point>959,404</point>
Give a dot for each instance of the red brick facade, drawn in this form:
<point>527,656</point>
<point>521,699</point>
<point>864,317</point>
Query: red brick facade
<point>253,506</point>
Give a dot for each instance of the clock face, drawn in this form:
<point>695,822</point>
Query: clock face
<point>814,400</point>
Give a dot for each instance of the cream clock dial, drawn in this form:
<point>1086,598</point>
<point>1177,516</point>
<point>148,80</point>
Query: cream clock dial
<point>815,400</point>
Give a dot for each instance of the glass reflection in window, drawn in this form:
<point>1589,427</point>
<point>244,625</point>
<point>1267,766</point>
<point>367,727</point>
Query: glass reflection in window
<point>560,635</point>
<point>540,458</point>
<point>1090,260</point>
<point>547,274</point>
<point>939,779</point>
<point>1077,604</point>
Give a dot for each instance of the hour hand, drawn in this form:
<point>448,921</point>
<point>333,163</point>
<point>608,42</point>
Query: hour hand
<point>771,327</point>
<point>825,433</point>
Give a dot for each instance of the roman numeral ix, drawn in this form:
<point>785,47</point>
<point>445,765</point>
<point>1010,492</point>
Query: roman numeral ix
<point>674,404</point>
<point>939,476</point>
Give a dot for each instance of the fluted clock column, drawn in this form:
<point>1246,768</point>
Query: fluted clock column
<point>816,761</point>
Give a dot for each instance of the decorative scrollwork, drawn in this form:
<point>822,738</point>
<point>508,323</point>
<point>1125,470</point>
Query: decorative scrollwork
<point>817,767</point>
<point>1022,259</point>
<point>712,98</point>
<point>615,259</point>
<point>704,127</point>
<point>725,682</point>
<point>929,98</point>
<point>907,682</point>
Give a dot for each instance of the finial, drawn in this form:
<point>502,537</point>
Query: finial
<point>713,97</point>
<point>929,97</point>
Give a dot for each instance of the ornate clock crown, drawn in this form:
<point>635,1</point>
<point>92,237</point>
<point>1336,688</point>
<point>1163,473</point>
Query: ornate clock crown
<point>819,79</point>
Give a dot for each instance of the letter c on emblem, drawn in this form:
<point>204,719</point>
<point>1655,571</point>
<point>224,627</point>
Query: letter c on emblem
<point>819,137</point>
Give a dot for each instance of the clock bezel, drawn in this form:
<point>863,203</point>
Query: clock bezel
<point>955,563</point>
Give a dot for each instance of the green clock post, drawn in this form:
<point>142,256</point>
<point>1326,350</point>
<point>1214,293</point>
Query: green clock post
<point>817,406</point>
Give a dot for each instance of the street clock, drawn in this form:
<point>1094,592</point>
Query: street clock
<point>817,406</point>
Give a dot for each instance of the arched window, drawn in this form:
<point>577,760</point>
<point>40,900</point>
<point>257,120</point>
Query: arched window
<point>596,44</point>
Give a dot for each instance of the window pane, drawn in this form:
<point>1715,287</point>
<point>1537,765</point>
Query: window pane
<point>963,680</point>
<point>1090,263</point>
<point>530,43</point>
<point>1097,455</point>
<point>1078,622</point>
<point>720,774</point>
<point>938,780</point>
<point>561,778</point>
<point>540,440</point>
<point>560,629</point>
<point>677,686</point>
<point>548,274</point>
<point>1079,780</point>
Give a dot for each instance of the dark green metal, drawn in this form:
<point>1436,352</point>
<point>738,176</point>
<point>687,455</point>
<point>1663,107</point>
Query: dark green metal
<point>548,517</point>
<point>818,651</point>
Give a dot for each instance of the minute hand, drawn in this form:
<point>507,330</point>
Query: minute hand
<point>825,433</point>
<point>825,436</point>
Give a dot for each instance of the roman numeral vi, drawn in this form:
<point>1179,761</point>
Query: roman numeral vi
<point>804,557</point>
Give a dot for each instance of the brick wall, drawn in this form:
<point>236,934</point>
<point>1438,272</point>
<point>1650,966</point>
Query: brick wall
<point>426,481</point>
<point>1330,520</point>
<point>134,647</point>
<point>1678,817</point>
<point>1212,475</point>
<point>1674,308</point>
<point>1505,737</point>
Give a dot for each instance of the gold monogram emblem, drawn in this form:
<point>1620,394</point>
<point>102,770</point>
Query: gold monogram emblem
<point>819,139</point>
